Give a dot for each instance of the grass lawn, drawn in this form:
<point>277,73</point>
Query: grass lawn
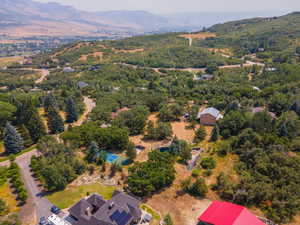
<point>9,198</point>
<point>71,195</point>
<point>1,147</point>
<point>155,216</point>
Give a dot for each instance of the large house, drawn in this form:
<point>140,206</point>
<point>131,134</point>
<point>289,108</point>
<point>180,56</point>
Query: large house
<point>121,209</point>
<point>209,116</point>
<point>226,213</point>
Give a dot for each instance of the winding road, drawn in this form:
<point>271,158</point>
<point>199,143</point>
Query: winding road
<point>195,70</point>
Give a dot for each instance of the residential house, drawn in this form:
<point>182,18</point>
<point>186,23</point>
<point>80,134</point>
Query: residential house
<point>262,109</point>
<point>226,213</point>
<point>68,69</point>
<point>82,84</point>
<point>204,77</point>
<point>209,116</point>
<point>121,209</point>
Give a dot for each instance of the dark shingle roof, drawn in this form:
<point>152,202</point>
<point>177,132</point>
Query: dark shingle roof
<point>120,207</point>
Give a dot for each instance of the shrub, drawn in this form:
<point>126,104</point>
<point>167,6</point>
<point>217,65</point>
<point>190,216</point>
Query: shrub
<point>208,163</point>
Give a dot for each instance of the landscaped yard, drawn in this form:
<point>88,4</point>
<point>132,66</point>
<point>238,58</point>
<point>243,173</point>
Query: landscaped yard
<point>71,195</point>
<point>8,197</point>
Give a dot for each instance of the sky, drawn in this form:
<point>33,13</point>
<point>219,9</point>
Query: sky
<point>177,6</point>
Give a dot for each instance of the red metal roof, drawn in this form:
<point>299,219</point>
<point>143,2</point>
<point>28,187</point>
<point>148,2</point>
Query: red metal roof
<point>226,213</point>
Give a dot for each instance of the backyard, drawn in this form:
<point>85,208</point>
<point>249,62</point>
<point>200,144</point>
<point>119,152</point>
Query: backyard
<point>72,194</point>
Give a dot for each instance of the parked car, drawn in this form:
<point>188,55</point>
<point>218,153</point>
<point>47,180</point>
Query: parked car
<point>43,221</point>
<point>55,210</point>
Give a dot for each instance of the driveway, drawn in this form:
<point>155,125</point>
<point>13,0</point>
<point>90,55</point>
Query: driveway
<point>41,203</point>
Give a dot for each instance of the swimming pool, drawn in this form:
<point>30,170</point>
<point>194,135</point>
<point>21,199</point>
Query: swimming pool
<point>111,157</point>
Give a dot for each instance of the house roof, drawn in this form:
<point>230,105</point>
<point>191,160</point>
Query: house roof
<point>121,209</point>
<point>262,109</point>
<point>226,213</point>
<point>82,84</point>
<point>212,111</point>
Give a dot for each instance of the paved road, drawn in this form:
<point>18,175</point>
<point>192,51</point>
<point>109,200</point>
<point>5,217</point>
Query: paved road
<point>195,70</point>
<point>42,204</point>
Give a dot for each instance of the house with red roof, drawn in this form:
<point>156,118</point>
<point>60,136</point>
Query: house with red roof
<point>226,213</point>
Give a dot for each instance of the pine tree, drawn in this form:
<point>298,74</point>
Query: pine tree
<point>215,134</point>
<point>25,135</point>
<point>92,152</point>
<point>55,122</point>
<point>200,134</point>
<point>50,102</point>
<point>28,115</point>
<point>36,127</point>
<point>13,141</point>
<point>71,110</point>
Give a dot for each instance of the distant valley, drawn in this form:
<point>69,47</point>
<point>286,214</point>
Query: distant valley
<point>27,18</point>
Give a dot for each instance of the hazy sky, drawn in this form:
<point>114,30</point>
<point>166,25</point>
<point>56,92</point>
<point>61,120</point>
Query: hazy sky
<point>171,6</point>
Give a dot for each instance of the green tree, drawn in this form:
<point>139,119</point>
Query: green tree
<point>13,141</point>
<point>50,102</point>
<point>200,134</point>
<point>131,151</point>
<point>71,111</point>
<point>23,131</point>
<point>168,220</point>
<point>36,127</point>
<point>208,163</point>
<point>199,188</point>
<point>134,119</point>
<point>3,207</point>
<point>55,122</point>
<point>92,152</point>
<point>181,148</point>
<point>6,112</point>
<point>215,133</point>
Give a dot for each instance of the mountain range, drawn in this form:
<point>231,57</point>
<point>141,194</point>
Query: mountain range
<point>26,18</point>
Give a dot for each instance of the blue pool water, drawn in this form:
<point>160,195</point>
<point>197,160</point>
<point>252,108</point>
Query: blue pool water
<point>111,157</point>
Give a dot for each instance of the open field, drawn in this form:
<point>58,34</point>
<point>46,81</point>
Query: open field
<point>72,194</point>
<point>10,200</point>
<point>6,61</point>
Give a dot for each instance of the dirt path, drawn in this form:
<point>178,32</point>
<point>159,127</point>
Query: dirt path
<point>90,104</point>
<point>44,73</point>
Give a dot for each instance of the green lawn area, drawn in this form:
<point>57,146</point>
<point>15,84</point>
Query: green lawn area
<point>9,198</point>
<point>71,195</point>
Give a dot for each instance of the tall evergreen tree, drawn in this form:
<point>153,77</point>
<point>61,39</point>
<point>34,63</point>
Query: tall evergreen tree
<point>36,127</point>
<point>13,141</point>
<point>50,102</point>
<point>55,122</point>
<point>200,134</point>
<point>215,133</point>
<point>71,110</point>
<point>28,115</point>
<point>25,135</point>
<point>92,152</point>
